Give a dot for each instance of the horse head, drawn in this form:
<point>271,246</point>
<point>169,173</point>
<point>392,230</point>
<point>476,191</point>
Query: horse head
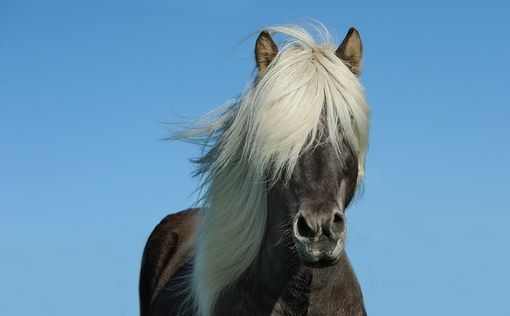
<point>324,179</point>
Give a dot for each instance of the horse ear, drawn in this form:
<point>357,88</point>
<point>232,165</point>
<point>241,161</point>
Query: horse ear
<point>265,51</point>
<point>350,51</point>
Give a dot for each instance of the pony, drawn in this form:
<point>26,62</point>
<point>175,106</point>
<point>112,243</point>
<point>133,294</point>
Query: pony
<point>280,166</point>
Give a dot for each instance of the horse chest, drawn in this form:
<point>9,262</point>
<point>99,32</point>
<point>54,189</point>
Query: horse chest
<point>310,294</point>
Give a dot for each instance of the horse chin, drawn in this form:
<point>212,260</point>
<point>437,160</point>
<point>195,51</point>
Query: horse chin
<point>317,257</point>
<point>325,263</point>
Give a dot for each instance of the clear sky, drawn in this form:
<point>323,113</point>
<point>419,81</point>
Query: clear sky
<point>86,85</point>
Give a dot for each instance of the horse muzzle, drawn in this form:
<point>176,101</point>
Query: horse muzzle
<point>319,239</point>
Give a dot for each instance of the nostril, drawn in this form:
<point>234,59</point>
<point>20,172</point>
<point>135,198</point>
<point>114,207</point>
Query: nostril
<point>303,229</point>
<point>338,218</point>
<point>338,224</point>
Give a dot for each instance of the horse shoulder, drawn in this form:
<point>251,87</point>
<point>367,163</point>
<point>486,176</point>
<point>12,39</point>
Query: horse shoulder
<point>165,252</point>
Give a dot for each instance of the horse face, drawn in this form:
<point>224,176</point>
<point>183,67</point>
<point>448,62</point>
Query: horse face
<point>322,184</point>
<point>320,190</point>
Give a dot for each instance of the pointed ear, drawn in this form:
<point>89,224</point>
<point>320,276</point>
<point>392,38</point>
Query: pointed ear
<point>350,51</point>
<point>265,51</point>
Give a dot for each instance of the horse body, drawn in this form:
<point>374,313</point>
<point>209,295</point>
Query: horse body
<point>165,252</point>
<point>283,167</point>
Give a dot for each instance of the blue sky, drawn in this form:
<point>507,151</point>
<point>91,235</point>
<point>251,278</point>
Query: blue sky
<point>86,85</point>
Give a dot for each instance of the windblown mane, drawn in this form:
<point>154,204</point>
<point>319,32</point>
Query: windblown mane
<point>306,92</point>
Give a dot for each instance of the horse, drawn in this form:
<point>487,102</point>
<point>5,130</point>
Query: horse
<point>279,168</point>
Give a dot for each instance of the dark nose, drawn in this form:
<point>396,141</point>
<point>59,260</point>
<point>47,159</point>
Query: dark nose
<point>313,226</point>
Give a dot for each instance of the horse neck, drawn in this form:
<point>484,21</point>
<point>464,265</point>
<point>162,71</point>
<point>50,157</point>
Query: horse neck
<point>259,288</point>
<point>276,258</point>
